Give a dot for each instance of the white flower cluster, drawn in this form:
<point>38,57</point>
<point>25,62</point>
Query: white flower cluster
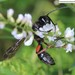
<point>27,35</point>
<point>25,20</point>
<point>68,37</point>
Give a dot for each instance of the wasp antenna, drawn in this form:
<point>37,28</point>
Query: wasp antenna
<point>56,10</point>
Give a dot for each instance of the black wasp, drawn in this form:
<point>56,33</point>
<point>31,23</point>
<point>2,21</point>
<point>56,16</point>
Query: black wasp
<point>40,51</point>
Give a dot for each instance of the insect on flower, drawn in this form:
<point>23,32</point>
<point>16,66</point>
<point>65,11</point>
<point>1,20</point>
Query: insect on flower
<point>43,25</point>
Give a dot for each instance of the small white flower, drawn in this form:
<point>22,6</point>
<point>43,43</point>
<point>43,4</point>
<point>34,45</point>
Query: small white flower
<point>69,48</point>
<point>24,33</point>
<point>47,27</point>
<point>20,18</point>
<point>10,13</point>
<point>18,35</point>
<point>51,38</point>
<point>2,25</point>
<point>27,20</point>
<point>30,40</point>
<point>69,34</point>
<point>59,43</point>
<point>40,34</point>
<point>28,16</point>
<point>14,32</point>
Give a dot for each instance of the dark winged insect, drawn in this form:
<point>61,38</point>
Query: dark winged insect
<point>40,51</point>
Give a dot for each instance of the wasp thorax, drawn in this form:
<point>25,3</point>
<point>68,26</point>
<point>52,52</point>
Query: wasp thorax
<point>42,21</point>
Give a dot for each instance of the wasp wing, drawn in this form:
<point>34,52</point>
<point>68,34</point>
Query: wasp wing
<point>12,50</point>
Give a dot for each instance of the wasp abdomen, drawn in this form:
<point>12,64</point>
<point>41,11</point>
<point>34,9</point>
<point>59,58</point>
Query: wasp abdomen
<point>46,58</point>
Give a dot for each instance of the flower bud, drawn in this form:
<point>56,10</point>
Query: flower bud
<point>69,48</point>
<point>10,13</point>
<point>20,18</point>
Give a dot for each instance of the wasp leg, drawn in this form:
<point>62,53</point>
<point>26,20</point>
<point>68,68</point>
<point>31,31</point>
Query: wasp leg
<point>44,56</point>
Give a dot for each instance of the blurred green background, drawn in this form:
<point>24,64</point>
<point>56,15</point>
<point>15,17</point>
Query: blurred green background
<point>25,61</point>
